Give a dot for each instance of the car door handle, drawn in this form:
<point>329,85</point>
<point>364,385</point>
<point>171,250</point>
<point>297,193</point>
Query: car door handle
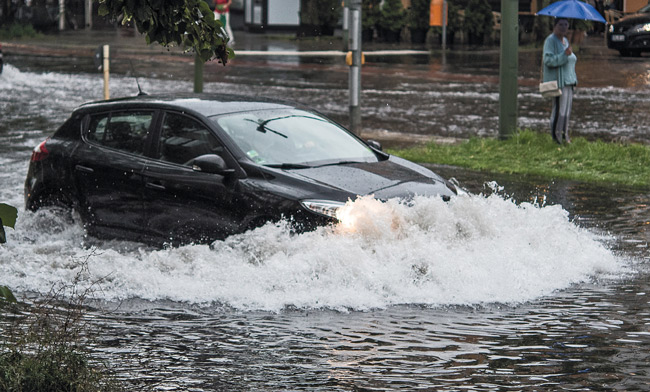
<point>155,186</point>
<point>84,169</point>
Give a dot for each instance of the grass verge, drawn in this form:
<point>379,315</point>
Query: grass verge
<point>18,30</point>
<point>532,153</point>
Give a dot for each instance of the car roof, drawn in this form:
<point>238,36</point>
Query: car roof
<point>207,104</point>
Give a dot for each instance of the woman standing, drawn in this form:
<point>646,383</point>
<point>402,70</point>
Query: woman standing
<point>222,13</point>
<point>560,64</point>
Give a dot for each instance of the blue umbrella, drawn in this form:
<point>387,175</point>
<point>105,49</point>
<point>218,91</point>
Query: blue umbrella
<point>572,9</point>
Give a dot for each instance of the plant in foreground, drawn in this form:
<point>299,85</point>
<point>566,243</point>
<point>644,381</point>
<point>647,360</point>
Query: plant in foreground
<point>43,344</point>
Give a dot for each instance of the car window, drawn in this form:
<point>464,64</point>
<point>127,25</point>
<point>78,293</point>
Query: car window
<point>272,137</point>
<point>125,131</point>
<point>182,139</point>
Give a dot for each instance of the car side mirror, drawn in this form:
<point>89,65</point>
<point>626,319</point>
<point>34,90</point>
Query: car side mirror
<point>374,144</point>
<point>211,163</point>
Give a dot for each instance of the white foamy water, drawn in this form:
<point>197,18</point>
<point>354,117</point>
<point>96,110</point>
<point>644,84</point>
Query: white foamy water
<point>471,250</point>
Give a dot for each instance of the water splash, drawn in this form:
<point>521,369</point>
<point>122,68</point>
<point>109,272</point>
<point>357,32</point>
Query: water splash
<point>471,250</point>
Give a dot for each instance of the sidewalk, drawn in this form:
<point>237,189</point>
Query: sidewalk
<point>125,40</point>
<point>84,43</point>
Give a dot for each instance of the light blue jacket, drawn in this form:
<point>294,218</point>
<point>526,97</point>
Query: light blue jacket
<point>557,65</point>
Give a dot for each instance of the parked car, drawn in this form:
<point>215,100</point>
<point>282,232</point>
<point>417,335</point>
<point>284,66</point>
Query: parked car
<point>631,34</point>
<point>200,167</point>
<point>1,61</point>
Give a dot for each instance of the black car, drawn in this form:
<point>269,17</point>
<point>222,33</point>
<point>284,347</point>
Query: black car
<point>195,168</point>
<point>631,34</point>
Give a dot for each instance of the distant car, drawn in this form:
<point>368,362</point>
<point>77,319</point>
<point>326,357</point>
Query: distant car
<point>200,167</point>
<point>1,60</point>
<point>631,34</point>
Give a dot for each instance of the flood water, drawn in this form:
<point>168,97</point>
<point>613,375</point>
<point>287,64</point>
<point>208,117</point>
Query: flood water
<point>523,284</point>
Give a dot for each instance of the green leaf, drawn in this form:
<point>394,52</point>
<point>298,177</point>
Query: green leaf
<point>8,215</point>
<point>7,294</point>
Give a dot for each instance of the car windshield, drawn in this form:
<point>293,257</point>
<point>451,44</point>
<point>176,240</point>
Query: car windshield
<point>645,9</point>
<point>292,137</point>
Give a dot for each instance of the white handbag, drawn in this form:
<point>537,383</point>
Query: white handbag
<point>550,89</point>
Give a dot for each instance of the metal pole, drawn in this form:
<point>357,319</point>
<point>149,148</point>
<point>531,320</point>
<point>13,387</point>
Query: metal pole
<point>107,94</point>
<point>89,14</point>
<point>198,74</point>
<point>61,15</point>
<point>346,25</point>
<point>509,65</point>
<point>444,25</point>
<point>355,68</point>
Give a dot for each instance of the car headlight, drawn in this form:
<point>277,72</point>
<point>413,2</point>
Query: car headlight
<point>323,207</point>
<point>642,28</point>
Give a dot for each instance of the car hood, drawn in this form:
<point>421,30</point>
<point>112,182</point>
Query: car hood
<point>633,19</point>
<point>392,178</point>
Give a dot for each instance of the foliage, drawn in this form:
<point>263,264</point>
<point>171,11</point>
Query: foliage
<point>319,17</point>
<point>542,26</point>
<point>183,22</point>
<point>479,19</point>
<point>582,25</point>
<point>329,12</point>
<point>393,16</point>
<point>533,153</point>
<point>17,30</point>
<point>8,216</point>
<point>417,16</point>
<point>43,348</point>
<point>6,294</point>
<point>370,14</point>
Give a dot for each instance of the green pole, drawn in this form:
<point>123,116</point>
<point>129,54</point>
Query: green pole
<point>509,65</point>
<point>198,74</point>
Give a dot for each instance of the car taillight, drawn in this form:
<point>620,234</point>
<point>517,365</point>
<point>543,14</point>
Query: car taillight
<point>40,152</point>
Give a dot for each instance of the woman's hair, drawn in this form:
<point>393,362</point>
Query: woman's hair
<point>557,20</point>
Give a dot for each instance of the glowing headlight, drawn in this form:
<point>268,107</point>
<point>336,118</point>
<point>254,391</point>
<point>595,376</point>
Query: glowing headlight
<point>642,28</point>
<point>323,207</point>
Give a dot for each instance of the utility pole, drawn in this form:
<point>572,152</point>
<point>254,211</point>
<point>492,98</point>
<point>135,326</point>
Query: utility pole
<point>508,70</point>
<point>354,61</point>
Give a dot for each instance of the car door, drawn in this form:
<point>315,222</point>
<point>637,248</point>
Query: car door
<point>108,168</point>
<point>182,203</point>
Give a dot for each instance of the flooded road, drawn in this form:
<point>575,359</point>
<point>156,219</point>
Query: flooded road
<point>405,97</point>
<point>522,285</point>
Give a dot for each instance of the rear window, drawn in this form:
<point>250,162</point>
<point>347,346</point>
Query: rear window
<point>124,131</point>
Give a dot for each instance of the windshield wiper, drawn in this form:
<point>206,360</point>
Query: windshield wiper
<point>338,163</point>
<point>288,165</point>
